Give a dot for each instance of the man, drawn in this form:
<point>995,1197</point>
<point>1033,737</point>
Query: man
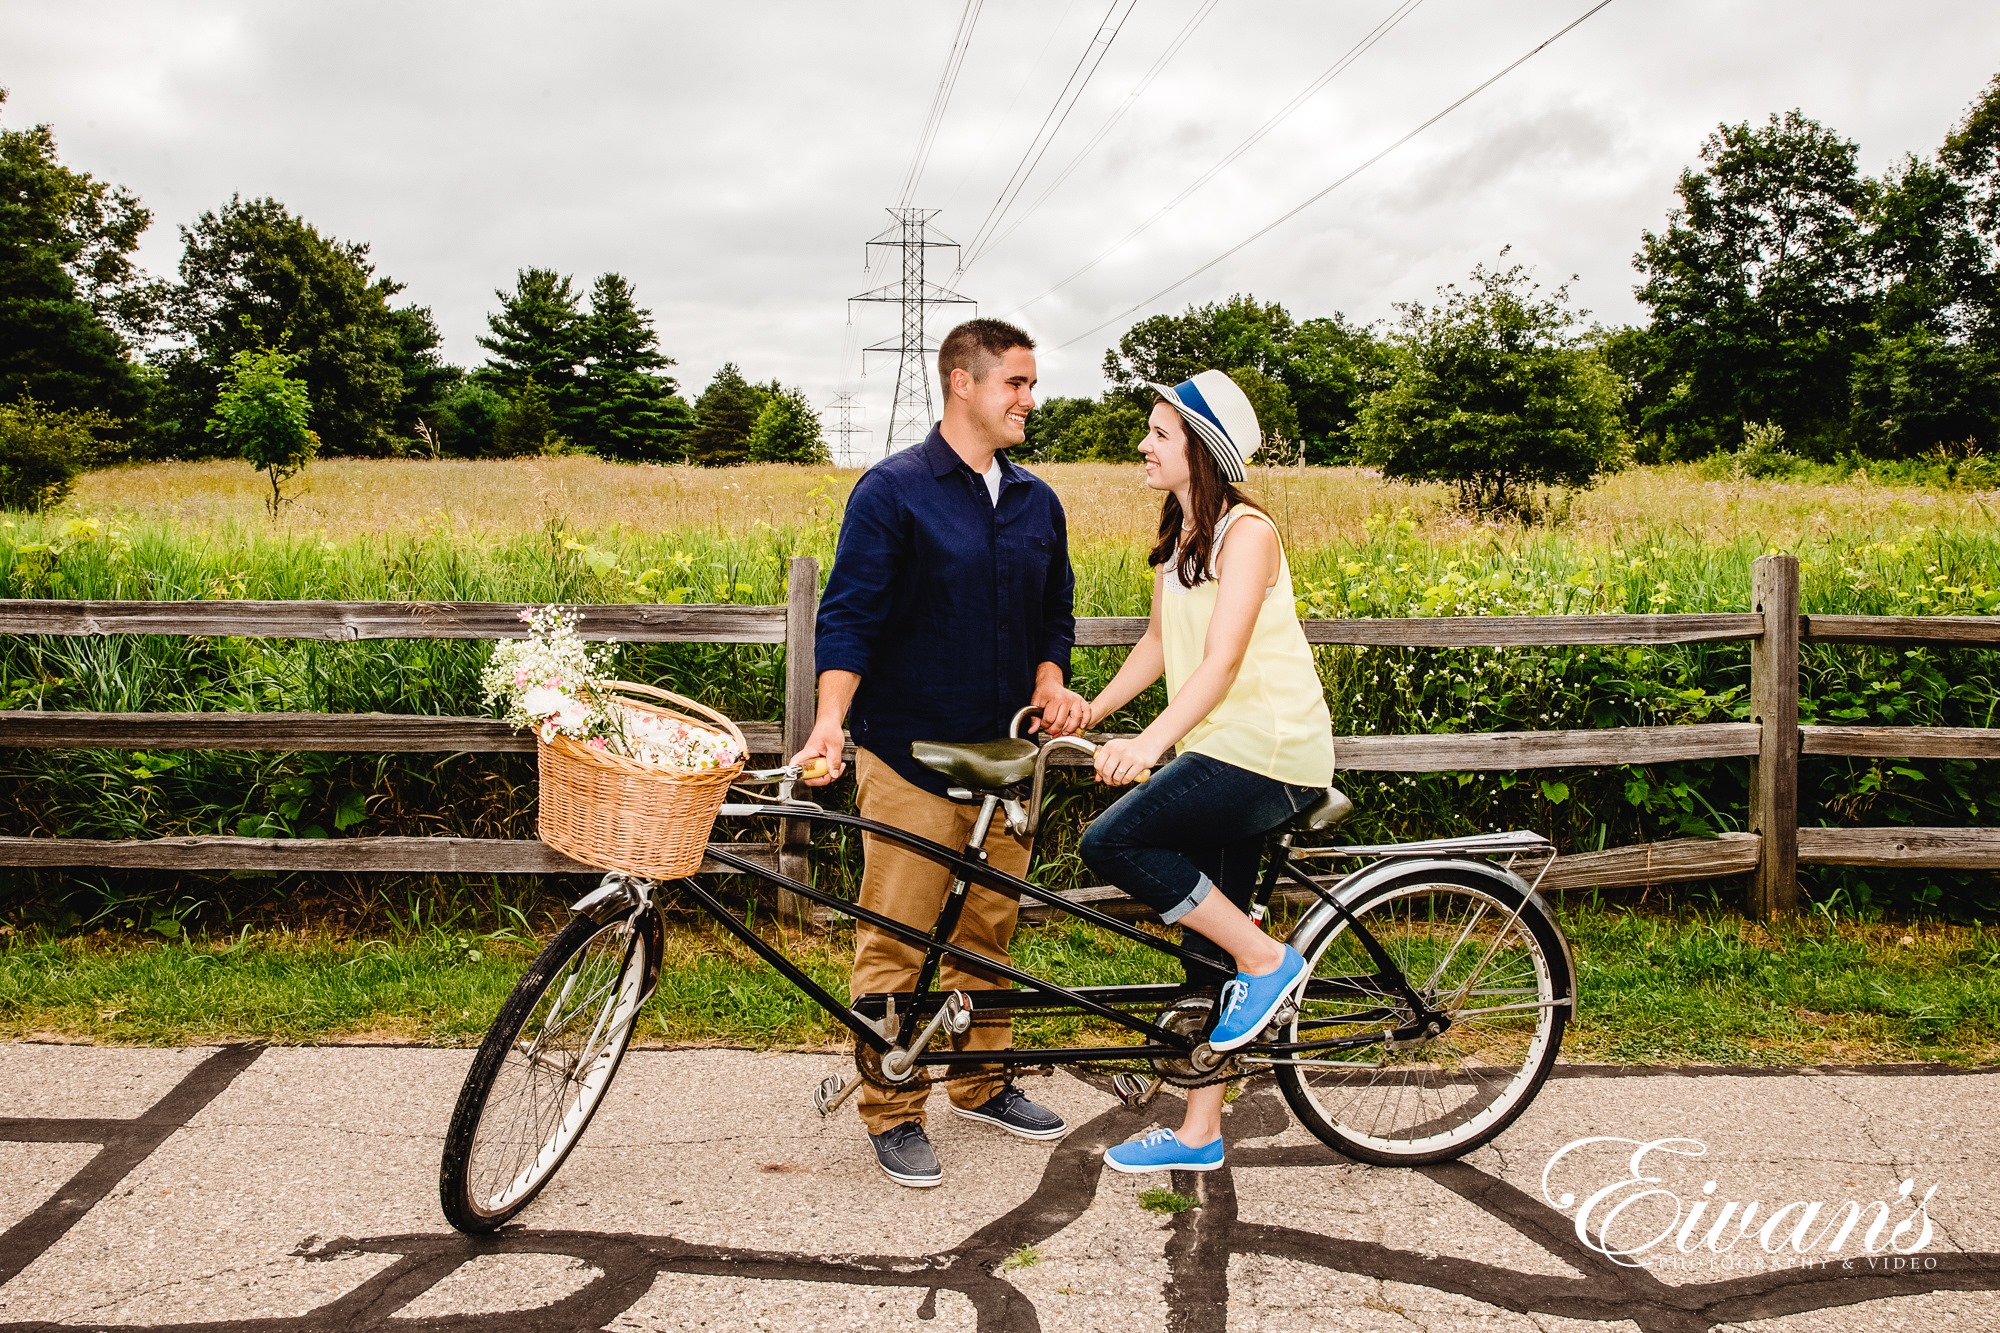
<point>949,607</point>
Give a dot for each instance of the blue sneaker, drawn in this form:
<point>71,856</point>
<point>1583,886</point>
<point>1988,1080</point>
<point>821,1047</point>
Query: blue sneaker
<point>1248,1002</point>
<point>1162,1150</point>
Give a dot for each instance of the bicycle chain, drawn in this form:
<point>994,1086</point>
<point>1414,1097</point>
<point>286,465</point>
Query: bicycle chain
<point>868,1063</point>
<point>1183,1012</point>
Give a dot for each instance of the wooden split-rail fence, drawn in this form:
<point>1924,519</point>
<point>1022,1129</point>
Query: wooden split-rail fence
<point>1772,740</point>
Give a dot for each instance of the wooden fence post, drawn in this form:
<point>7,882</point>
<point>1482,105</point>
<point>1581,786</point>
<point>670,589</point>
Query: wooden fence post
<point>1774,706</point>
<point>801,700</point>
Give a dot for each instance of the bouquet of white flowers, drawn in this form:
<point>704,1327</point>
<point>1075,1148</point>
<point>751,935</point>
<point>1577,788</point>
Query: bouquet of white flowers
<point>626,783</point>
<point>557,685</point>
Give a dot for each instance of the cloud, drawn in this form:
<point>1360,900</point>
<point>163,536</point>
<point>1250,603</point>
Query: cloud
<point>731,160</point>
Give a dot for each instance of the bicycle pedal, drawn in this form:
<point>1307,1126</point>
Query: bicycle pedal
<point>829,1088</point>
<point>1133,1090</point>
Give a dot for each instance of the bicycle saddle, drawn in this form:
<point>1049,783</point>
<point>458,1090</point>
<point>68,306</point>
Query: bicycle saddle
<point>1330,810</point>
<point>979,764</point>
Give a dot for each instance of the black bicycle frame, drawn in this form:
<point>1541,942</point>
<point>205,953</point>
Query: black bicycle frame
<point>861,1017</point>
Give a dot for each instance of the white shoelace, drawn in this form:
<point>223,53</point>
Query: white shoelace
<point>1233,993</point>
<point>1156,1138</point>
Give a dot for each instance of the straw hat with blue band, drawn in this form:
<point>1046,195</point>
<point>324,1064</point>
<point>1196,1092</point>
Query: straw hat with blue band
<point>1218,411</point>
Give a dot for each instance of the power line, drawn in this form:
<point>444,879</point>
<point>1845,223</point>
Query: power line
<point>1301,207</point>
<point>1052,123</point>
<point>1145,82</point>
<point>1353,53</point>
<point>954,61</point>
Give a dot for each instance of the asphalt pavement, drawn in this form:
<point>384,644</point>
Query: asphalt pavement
<point>291,1189</point>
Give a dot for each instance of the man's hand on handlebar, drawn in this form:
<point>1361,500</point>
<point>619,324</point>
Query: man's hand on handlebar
<point>1063,709</point>
<point>827,745</point>
<point>1127,760</point>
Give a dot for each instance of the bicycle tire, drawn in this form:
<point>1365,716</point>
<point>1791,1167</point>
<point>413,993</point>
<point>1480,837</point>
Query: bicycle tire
<point>1432,1099</point>
<point>496,1161</point>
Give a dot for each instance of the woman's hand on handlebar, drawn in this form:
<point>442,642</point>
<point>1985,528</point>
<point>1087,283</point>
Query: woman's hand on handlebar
<point>1119,762</point>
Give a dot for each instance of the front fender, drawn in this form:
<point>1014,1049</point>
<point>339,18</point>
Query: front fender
<point>1377,873</point>
<point>656,947</point>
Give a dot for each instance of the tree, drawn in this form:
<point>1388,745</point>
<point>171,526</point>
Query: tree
<point>1326,366</point>
<point>1329,369</point>
<point>1757,286</point>
<point>1112,431</point>
<point>1917,391</point>
<point>467,421</point>
<point>70,296</point>
<point>1276,417</point>
<point>626,407</point>
<point>1076,430</point>
<point>528,426</point>
<point>42,449</point>
<point>724,416</point>
<point>533,336</point>
<point>1971,153</point>
<point>428,379</point>
<point>1167,349</point>
<point>1050,429</point>
<point>262,414</point>
<point>255,277</point>
<point>787,430</point>
<point>1496,391</point>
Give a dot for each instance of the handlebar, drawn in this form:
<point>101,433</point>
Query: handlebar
<point>1049,747</point>
<point>815,768</point>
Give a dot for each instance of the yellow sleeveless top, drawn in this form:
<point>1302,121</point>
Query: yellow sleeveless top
<point>1274,720</point>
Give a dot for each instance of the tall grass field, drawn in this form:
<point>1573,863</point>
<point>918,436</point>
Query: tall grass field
<point>580,531</point>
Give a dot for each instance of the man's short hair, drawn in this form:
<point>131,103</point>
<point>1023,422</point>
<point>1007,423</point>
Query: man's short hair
<point>975,345</point>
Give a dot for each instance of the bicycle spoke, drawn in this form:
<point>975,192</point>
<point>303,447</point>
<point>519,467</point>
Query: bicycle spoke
<point>1481,969</point>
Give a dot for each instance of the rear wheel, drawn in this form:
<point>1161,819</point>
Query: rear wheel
<point>1505,988</point>
<point>543,1070</point>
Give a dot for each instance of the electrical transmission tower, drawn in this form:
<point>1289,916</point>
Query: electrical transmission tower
<point>912,234</point>
<point>845,428</point>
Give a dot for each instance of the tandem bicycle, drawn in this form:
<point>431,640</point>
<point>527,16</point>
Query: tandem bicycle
<point>1439,991</point>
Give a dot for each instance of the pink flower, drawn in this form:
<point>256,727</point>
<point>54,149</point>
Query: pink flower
<point>597,742</point>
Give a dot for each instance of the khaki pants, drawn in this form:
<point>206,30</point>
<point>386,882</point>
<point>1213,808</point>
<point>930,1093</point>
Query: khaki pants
<point>904,886</point>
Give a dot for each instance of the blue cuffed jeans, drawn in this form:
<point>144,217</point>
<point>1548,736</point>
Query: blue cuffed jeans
<point>1197,824</point>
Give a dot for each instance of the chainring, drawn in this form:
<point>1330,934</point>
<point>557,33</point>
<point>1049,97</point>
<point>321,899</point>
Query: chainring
<point>1186,1017</point>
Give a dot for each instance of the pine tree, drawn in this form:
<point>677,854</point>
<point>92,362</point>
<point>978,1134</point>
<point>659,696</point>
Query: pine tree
<point>534,337</point>
<point>625,408</point>
<point>724,416</point>
<point>787,430</point>
<point>529,425</point>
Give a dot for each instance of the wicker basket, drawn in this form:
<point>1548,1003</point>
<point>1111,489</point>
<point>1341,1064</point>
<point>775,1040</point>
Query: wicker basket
<point>618,814</point>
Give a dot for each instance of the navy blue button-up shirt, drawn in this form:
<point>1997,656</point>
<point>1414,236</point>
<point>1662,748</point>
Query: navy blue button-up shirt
<point>943,602</point>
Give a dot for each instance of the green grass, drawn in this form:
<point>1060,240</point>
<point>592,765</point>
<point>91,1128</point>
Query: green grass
<point>1688,988</point>
<point>1165,1202</point>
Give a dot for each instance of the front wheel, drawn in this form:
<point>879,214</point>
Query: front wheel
<point>1505,988</point>
<point>543,1069</point>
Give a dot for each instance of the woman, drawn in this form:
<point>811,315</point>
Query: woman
<point>1246,711</point>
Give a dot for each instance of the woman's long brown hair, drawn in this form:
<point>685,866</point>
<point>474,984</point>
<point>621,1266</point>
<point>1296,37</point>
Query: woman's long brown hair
<point>1209,495</point>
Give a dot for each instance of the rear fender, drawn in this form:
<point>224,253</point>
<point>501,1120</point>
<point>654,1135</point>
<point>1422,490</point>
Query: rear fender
<point>1371,877</point>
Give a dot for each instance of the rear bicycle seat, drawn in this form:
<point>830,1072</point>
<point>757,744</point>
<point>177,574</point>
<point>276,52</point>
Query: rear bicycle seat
<point>1331,809</point>
<point>981,765</point>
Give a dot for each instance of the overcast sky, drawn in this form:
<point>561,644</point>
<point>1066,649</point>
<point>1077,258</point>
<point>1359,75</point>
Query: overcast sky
<point>732,159</point>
